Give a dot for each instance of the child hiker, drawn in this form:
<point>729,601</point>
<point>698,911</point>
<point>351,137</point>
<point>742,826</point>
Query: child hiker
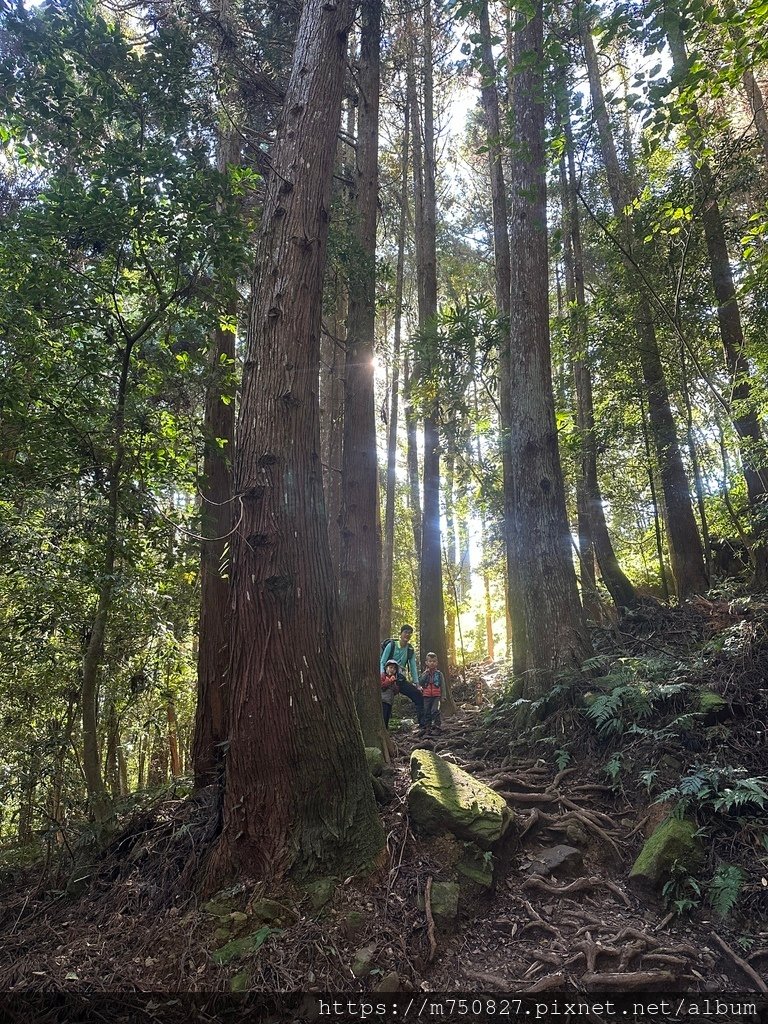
<point>389,689</point>
<point>431,683</point>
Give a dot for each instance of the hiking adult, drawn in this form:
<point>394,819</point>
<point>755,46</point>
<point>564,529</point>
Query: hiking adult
<point>403,653</point>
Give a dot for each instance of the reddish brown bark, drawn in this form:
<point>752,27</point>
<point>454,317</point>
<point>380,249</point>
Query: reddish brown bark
<point>394,408</point>
<point>555,630</point>
<point>297,796</point>
<point>358,580</point>
<point>502,277</point>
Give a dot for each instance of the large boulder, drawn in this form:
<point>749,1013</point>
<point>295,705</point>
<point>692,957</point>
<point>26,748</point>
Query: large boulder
<point>674,840</point>
<point>444,798</point>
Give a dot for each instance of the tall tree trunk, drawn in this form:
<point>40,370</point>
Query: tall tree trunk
<point>216,524</point>
<point>412,462</point>
<point>94,653</point>
<point>297,795</point>
<point>431,604</point>
<point>654,506</point>
<point>173,739</point>
<point>685,549</point>
<point>503,283</point>
<point>394,408</point>
<point>743,412</point>
<point>359,595</point>
<point>451,610</point>
<point>618,585</point>
<point>554,626</point>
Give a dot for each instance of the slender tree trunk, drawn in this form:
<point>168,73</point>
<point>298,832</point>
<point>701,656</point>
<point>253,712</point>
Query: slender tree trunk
<point>111,766</point>
<point>554,626</point>
<point>173,739</point>
<point>359,596</point>
<point>503,281</point>
<point>297,795</point>
<point>618,585</point>
<point>94,653</point>
<point>685,548</point>
<point>394,409</point>
<point>451,610</point>
<point>216,524</point>
<point>693,454</point>
<point>412,461</point>
<point>211,726</point>
<point>655,506</point>
<point>431,604</point>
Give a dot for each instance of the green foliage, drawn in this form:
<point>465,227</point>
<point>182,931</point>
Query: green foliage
<point>724,888</point>
<point>722,789</point>
<point>119,253</point>
<point>682,892</point>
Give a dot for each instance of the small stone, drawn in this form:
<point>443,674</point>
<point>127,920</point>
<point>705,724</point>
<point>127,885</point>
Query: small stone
<point>477,865</point>
<point>352,924</point>
<point>363,962</point>
<point>375,760</point>
<point>561,860</point>
<point>389,983</point>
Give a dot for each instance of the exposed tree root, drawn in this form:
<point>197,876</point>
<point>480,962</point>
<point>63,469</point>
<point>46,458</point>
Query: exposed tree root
<point>580,885</point>
<point>651,981</point>
<point>740,962</point>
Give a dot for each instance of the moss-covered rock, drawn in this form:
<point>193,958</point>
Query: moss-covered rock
<point>444,902</point>
<point>240,982</point>
<point>375,760</point>
<point>238,948</point>
<point>320,892</point>
<point>271,912</point>
<point>444,798</point>
<point>217,907</point>
<point>674,840</point>
<point>476,865</point>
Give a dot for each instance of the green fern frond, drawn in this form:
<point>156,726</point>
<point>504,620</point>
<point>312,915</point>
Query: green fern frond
<point>724,889</point>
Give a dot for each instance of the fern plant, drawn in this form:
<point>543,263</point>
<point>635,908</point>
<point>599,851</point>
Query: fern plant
<point>724,889</point>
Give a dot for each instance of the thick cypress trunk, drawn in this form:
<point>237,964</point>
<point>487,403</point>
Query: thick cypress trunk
<point>358,579</point>
<point>555,630</point>
<point>685,548</point>
<point>297,796</point>
<point>502,278</point>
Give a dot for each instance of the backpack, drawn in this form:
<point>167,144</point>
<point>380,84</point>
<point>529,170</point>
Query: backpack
<point>394,641</point>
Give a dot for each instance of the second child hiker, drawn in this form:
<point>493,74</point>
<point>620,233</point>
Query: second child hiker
<point>405,656</point>
<point>389,689</point>
<point>431,683</point>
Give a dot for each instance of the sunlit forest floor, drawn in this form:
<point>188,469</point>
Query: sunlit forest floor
<point>597,782</point>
